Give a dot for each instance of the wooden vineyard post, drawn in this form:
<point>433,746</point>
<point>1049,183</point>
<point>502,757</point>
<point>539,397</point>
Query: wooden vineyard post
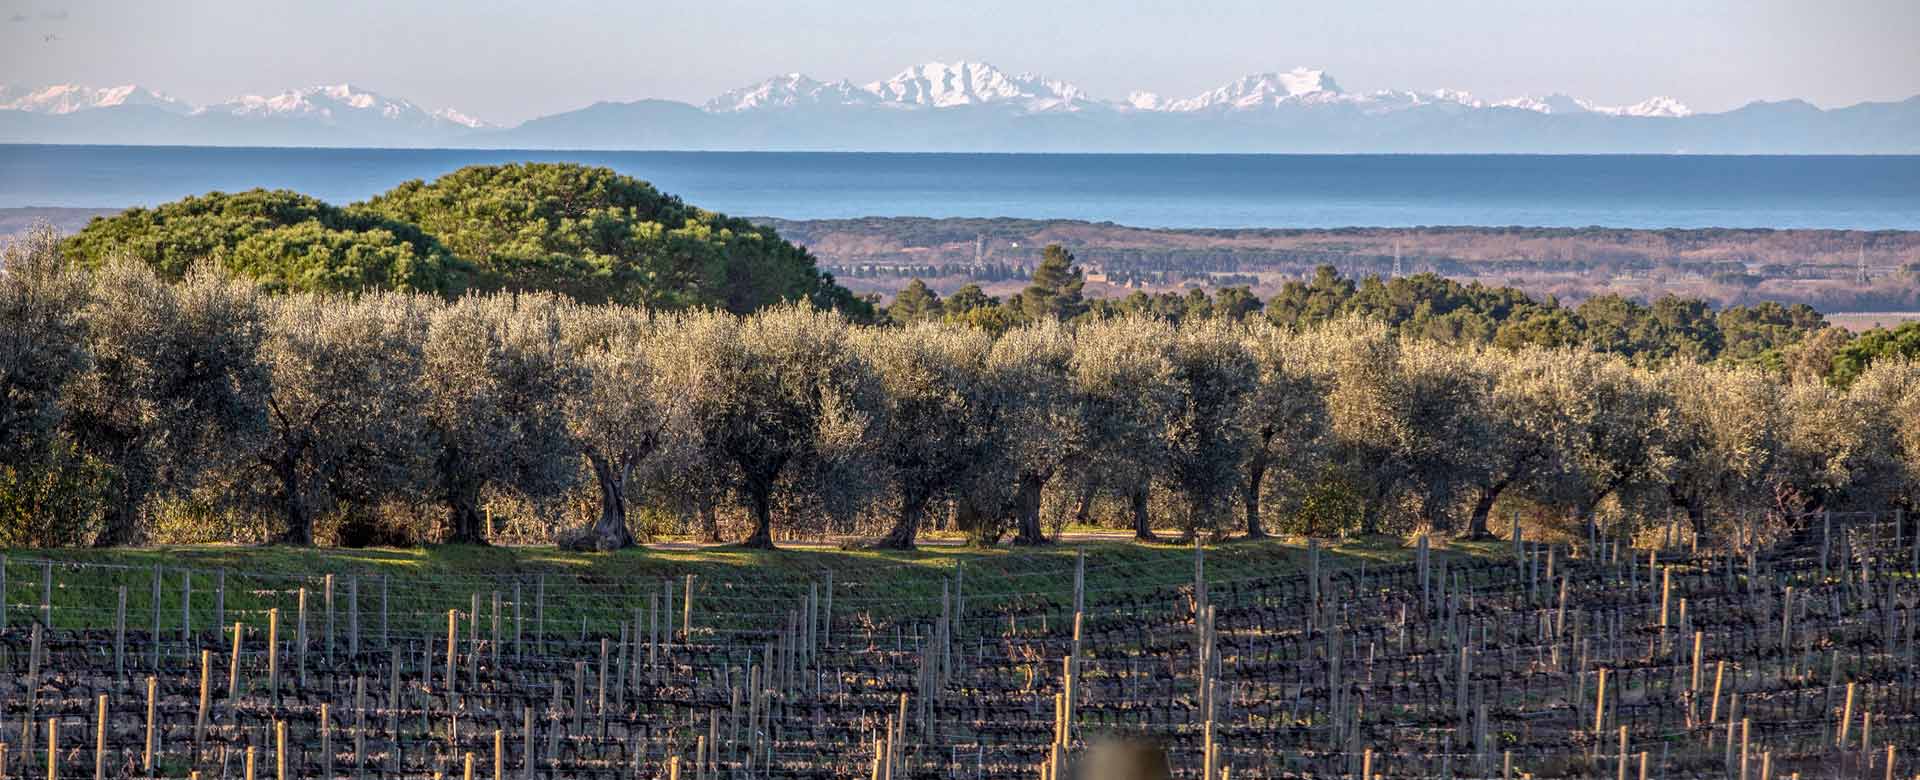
<point>99,740</point>
<point>499,755</point>
<point>53,749</point>
<point>686,613</point>
<point>233,667</point>
<point>353,617</point>
<point>326,603</point>
<point>383,611</point>
<point>1621,771</point>
<point>146,753</point>
<point>120,637</point>
<point>1600,703</point>
<point>453,649</point>
<point>1846,717</point>
<point>1746,727</point>
<point>280,749</point>
<point>200,715</point>
<point>326,740</point>
<point>186,606</point>
<point>154,638</point>
<point>273,655</point>
<point>300,638</point>
<point>252,752</point>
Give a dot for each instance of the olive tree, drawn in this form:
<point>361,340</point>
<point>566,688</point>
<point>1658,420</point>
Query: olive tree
<point>1285,416</point>
<point>1621,423</point>
<point>42,340</point>
<point>1530,431</point>
<point>1034,428</point>
<point>343,405</point>
<point>1887,400</point>
<point>47,494</point>
<point>1126,388</point>
<point>784,398</point>
<point>174,377</point>
<point>1724,440</point>
<point>938,408</point>
<point>497,379</point>
<point>1215,379</point>
<point>1402,413</point>
<point>622,411</point>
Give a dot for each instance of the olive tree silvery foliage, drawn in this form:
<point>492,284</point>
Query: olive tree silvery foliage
<point>47,490</point>
<point>1215,381</point>
<point>621,411</point>
<point>1285,417</point>
<point>497,376</point>
<point>939,411</point>
<point>42,340</point>
<point>1126,389</point>
<point>1724,440</point>
<point>1529,432</point>
<point>1887,397</point>
<point>174,378</point>
<point>1034,431</point>
<point>343,408</point>
<point>783,398</point>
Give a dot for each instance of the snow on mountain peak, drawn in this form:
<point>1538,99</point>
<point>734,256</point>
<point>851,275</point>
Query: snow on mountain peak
<point>790,90</point>
<point>1145,101</point>
<point>68,98</point>
<point>339,103</point>
<point>1264,90</point>
<point>943,85</point>
<point>1563,104</point>
<point>1660,106</point>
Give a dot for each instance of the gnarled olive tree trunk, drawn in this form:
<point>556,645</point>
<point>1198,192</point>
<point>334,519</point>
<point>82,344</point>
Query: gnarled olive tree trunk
<point>1027,510</point>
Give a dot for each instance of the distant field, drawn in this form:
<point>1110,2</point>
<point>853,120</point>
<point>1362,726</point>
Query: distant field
<point>1868,320</point>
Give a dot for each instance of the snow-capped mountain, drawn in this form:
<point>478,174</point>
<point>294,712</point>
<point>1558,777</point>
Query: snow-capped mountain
<point>974,106</point>
<point>946,85</point>
<point>339,104</point>
<point>792,90</point>
<point>1562,104</point>
<point>1264,90</point>
<point>68,98</point>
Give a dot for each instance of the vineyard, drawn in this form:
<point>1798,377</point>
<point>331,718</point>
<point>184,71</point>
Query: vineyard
<point>1509,659</point>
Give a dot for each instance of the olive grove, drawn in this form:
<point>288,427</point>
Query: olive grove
<point>142,408</point>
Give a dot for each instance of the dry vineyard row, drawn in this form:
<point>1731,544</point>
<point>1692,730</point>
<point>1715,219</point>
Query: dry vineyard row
<point>1544,661</point>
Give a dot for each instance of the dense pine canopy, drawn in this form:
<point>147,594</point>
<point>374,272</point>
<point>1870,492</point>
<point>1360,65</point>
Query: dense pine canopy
<point>589,233</point>
<point>283,240</point>
<point>603,238</point>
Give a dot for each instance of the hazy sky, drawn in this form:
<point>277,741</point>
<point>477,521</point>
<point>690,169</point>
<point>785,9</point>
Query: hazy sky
<point>507,61</point>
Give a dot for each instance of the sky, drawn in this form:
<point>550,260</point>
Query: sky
<point>511,61</point>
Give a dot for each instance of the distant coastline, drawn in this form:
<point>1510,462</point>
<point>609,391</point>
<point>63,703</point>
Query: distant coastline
<point>1150,190</point>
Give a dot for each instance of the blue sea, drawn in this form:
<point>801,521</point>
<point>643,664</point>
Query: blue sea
<point>1149,190</point>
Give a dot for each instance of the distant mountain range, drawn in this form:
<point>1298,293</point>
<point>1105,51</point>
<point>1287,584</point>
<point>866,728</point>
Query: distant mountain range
<point>975,107</point>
